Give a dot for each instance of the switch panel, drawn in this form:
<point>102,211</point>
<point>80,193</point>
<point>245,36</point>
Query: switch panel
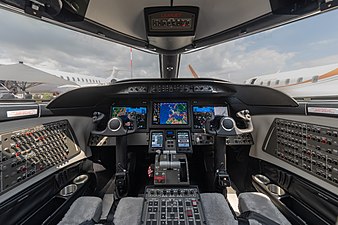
<point>311,147</point>
<point>172,206</point>
<point>25,153</point>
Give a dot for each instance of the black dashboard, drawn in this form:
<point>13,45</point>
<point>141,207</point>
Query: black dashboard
<point>168,106</point>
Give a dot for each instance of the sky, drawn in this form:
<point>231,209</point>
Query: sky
<point>307,43</point>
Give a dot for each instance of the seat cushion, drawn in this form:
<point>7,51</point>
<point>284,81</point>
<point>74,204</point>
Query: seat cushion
<point>217,210</point>
<point>260,203</point>
<point>83,209</point>
<point>128,211</point>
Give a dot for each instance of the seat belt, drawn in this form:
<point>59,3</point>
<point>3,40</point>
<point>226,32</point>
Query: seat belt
<point>88,222</point>
<point>244,218</point>
<point>110,216</point>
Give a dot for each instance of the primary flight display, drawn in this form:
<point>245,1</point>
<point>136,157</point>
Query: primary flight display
<point>125,113</point>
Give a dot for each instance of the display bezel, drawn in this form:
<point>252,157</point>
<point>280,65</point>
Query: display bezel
<point>133,106</point>
<point>189,139</point>
<point>205,105</point>
<point>151,139</point>
<point>171,125</point>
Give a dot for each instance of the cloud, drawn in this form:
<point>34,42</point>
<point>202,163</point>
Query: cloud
<point>331,59</point>
<point>44,45</point>
<point>237,61</point>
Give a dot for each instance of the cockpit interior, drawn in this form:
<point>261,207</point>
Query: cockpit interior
<point>170,150</point>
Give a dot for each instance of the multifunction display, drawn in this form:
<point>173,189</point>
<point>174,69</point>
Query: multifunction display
<point>202,113</point>
<point>126,113</point>
<point>170,113</point>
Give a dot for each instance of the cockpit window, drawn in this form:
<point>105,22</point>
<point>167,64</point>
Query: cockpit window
<point>275,58</point>
<point>291,58</point>
<point>53,50</point>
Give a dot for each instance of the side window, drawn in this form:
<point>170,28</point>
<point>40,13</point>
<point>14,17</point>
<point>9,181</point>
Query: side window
<point>253,81</point>
<point>315,79</point>
<point>277,82</point>
<point>269,83</point>
<point>287,81</point>
<point>300,80</point>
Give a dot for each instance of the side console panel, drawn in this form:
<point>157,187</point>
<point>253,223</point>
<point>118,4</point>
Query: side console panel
<point>27,152</point>
<point>311,147</point>
<point>265,147</point>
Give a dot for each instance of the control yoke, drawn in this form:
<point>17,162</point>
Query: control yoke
<point>115,128</point>
<point>227,125</point>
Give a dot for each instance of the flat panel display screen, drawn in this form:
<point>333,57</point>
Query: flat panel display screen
<point>202,113</point>
<point>125,114</point>
<point>157,140</point>
<point>170,113</point>
<point>183,139</point>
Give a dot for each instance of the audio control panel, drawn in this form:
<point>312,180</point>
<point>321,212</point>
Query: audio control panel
<point>207,139</point>
<point>172,206</point>
<point>25,153</point>
<point>311,147</point>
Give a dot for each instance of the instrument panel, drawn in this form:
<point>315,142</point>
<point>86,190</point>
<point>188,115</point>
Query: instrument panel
<point>157,117</point>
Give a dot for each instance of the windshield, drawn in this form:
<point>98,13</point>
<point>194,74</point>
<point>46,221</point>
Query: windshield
<point>75,59</point>
<point>300,59</point>
<point>40,60</point>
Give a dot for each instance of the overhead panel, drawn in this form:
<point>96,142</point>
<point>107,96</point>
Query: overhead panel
<point>127,16</point>
<point>216,16</point>
<point>171,27</point>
